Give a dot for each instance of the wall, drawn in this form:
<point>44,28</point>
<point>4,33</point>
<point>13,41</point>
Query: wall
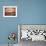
<point>29,12</point>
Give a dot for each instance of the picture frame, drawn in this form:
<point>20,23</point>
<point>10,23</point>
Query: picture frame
<point>39,28</point>
<point>9,11</point>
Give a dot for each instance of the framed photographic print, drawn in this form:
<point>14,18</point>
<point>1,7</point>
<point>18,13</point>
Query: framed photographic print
<point>9,11</point>
<point>33,32</point>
